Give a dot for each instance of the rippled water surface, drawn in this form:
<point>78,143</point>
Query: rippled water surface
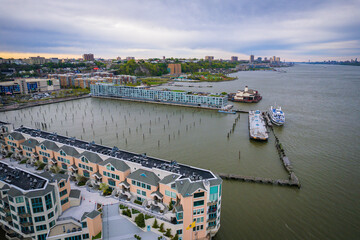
<point>320,137</point>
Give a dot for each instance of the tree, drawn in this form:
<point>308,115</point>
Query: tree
<point>171,206</point>
<point>155,225</point>
<point>103,187</point>
<point>162,228</point>
<point>140,220</point>
<point>137,237</point>
<point>176,237</point>
<point>168,232</point>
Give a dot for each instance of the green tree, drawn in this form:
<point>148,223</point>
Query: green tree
<point>162,228</point>
<point>103,187</point>
<point>140,220</point>
<point>168,232</point>
<point>176,237</point>
<point>155,225</point>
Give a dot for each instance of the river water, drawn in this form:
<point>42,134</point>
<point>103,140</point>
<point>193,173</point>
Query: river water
<point>320,137</point>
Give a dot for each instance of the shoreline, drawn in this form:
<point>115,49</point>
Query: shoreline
<point>40,103</point>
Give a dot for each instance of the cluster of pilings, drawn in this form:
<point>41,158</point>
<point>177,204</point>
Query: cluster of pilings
<point>233,127</point>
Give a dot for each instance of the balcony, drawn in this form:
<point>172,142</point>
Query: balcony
<point>8,218</point>
<point>212,219</point>
<point>210,227</point>
<point>24,215</point>
<point>26,224</point>
<point>212,203</point>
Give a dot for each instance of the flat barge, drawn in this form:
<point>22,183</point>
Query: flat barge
<point>257,126</point>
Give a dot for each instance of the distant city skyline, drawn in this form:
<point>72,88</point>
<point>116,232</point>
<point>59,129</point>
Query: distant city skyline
<point>295,31</point>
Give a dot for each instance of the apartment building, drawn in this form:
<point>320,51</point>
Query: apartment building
<point>31,204</point>
<point>88,57</point>
<point>29,85</point>
<point>165,96</point>
<point>174,68</point>
<point>194,193</point>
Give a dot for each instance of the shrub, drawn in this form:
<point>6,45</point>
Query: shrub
<point>138,202</point>
<point>127,212</point>
<point>134,211</point>
<point>162,228</point>
<point>23,161</point>
<point>155,225</point>
<point>171,206</point>
<point>148,216</point>
<point>107,192</point>
<point>122,206</point>
<point>140,221</point>
<point>137,237</point>
<point>176,237</point>
<point>41,166</point>
<point>168,232</point>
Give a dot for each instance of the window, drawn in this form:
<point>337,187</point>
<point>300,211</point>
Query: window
<point>52,223</point>
<point>84,224</point>
<point>111,182</point>
<point>173,195</point>
<point>138,191</point>
<point>148,187</point>
<point>42,237</point>
<point>86,174</point>
<point>143,193</point>
<point>37,205</point>
<point>173,186</point>
<point>10,199</point>
<point>39,219</point>
<point>84,159</point>
<point>143,185</point>
<point>14,217</point>
<point>21,210</point>
<point>50,215</point>
<point>64,201</point>
<point>43,147</point>
<point>198,203</point>
<point>167,193</point>
<point>138,184</point>
<point>41,227</point>
<point>62,153</point>
<point>213,193</point>
<point>12,208</point>
<point>85,236</point>
<point>64,166</point>
<point>48,201</point>
<point>179,232</point>
<point>62,184</point>
<point>64,192</point>
<point>133,182</point>
<point>16,226</point>
<point>78,237</point>
<point>200,194</point>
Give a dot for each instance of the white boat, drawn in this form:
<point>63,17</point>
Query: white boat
<point>227,109</point>
<point>277,116</point>
<point>257,127</point>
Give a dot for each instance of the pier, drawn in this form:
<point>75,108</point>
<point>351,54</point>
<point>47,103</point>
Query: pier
<point>292,181</point>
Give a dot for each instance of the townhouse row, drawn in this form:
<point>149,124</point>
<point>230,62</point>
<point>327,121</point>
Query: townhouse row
<point>194,193</point>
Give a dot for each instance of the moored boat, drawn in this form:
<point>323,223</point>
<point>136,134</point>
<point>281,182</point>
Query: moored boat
<point>277,116</point>
<point>246,96</point>
<point>257,127</point>
<point>227,109</point>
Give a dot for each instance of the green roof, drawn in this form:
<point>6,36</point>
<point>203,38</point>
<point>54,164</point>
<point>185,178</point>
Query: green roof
<point>145,177</point>
<point>30,143</point>
<point>71,151</point>
<point>118,164</point>
<point>50,145</point>
<point>92,157</point>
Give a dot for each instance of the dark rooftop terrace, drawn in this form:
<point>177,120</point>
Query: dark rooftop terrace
<point>19,178</point>
<point>146,161</point>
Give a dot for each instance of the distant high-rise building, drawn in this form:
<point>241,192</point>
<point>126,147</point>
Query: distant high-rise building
<point>88,57</point>
<point>265,59</point>
<point>277,59</point>
<point>130,58</point>
<point>252,58</point>
<point>209,58</point>
<point>35,60</point>
<point>234,59</point>
<point>174,68</point>
<point>259,59</point>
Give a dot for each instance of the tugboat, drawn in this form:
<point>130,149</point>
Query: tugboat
<point>277,116</point>
<point>246,96</point>
<point>257,128</point>
<point>227,109</point>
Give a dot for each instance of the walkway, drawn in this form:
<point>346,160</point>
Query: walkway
<point>118,227</point>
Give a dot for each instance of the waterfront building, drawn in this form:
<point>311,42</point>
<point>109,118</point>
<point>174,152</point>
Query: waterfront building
<point>174,68</point>
<point>88,57</point>
<point>178,194</point>
<point>29,85</point>
<point>164,96</point>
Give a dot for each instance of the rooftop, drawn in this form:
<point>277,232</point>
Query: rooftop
<point>20,178</point>
<point>63,229</point>
<point>185,171</point>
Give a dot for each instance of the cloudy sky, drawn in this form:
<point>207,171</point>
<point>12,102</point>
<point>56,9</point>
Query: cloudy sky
<point>294,30</point>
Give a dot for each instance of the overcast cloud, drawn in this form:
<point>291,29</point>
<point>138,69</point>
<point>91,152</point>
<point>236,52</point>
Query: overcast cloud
<point>293,30</point>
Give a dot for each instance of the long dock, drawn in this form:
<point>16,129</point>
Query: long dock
<point>292,182</point>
